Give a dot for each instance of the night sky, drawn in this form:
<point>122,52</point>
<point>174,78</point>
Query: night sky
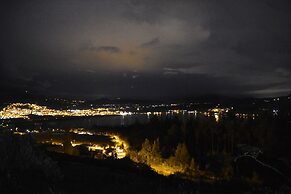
<point>145,49</point>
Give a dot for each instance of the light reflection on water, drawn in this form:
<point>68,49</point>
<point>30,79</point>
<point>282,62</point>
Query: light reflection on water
<point>115,121</point>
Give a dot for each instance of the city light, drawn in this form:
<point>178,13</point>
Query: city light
<point>118,150</point>
<point>25,110</point>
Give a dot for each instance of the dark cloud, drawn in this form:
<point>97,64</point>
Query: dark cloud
<point>198,46</point>
<point>110,49</point>
<point>91,47</point>
<point>154,42</point>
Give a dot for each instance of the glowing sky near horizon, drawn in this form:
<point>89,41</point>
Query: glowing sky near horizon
<point>145,49</point>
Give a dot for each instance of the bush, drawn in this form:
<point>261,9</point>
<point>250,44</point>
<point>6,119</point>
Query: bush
<point>22,164</point>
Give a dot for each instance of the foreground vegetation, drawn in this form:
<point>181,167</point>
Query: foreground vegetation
<point>252,150</point>
<point>198,155</point>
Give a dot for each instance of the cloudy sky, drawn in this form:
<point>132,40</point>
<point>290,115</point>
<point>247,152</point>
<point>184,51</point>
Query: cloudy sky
<point>145,49</point>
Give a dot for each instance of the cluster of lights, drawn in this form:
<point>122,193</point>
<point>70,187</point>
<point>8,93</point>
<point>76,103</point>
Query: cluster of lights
<point>218,110</point>
<point>81,131</point>
<point>246,116</point>
<point>120,147</point>
<point>24,110</point>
